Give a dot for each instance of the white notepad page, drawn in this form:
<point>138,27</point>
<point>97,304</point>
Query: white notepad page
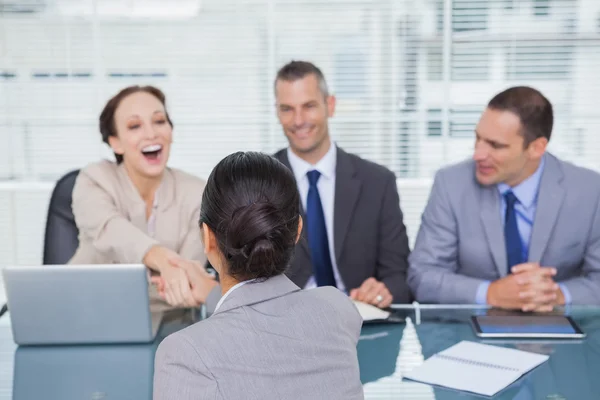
<point>475,367</point>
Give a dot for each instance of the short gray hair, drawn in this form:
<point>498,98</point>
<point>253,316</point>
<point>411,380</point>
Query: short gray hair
<point>295,70</point>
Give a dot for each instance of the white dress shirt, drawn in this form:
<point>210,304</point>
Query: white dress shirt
<point>326,186</point>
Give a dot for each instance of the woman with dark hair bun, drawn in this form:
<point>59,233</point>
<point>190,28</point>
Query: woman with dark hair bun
<point>267,338</point>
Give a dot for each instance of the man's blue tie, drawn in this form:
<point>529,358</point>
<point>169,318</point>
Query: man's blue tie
<point>317,233</point>
<point>512,237</point>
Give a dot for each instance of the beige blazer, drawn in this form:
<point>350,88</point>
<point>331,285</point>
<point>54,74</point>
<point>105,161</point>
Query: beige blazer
<point>111,218</point>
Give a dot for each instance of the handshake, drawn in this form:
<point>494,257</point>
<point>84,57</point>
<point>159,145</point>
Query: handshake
<point>182,282</point>
<point>529,287</point>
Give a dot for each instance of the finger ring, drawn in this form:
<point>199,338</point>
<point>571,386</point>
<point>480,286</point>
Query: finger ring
<point>379,298</point>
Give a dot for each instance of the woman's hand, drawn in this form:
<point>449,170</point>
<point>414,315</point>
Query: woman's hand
<point>201,282</point>
<point>175,287</point>
<point>177,290</point>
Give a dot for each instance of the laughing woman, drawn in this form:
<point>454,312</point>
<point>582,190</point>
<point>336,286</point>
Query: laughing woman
<point>137,210</point>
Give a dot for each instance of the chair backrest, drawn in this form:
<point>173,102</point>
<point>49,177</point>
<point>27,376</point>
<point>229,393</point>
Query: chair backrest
<point>61,238</point>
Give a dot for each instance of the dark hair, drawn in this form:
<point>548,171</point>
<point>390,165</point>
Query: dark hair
<point>252,204</point>
<point>107,116</point>
<point>533,109</point>
<point>295,70</point>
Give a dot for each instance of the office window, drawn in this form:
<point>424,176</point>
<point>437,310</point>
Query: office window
<point>539,61</point>
<point>470,61</point>
<point>350,67</point>
<point>541,8</point>
<point>435,67</point>
<point>7,75</point>
<point>439,16</point>
<point>434,122</point>
<point>463,121</point>
<point>469,15</point>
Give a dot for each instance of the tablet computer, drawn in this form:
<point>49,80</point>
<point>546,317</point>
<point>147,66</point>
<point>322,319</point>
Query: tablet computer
<point>526,326</point>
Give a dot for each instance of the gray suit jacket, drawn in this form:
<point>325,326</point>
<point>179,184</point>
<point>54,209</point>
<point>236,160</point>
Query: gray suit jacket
<point>461,240</point>
<point>369,233</point>
<point>267,340</point>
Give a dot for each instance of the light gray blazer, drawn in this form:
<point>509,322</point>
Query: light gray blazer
<point>461,240</point>
<point>267,340</point>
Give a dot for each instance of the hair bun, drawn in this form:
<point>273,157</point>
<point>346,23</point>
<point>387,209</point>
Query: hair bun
<point>252,205</point>
<point>254,235</point>
<point>250,223</point>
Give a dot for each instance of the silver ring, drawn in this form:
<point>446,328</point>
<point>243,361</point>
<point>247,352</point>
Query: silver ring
<point>379,298</point>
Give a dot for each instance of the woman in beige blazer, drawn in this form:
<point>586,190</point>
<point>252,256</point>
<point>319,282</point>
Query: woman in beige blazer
<point>138,210</point>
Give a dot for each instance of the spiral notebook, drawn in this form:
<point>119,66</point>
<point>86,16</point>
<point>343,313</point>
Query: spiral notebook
<point>477,368</point>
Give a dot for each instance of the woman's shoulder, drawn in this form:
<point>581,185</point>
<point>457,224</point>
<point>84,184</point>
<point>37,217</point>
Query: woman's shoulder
<point>100,169</point>
<point>100,173</point>
<point>329,293</point>
<point>206,336</point>
<point>335,298</point>
<point>332,307</point>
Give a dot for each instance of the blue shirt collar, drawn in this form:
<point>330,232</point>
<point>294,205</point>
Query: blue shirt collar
<point>526,191</point>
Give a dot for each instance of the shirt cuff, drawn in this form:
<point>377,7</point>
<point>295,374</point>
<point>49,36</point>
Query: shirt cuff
<point>481,296</point>
<point>566,294</point>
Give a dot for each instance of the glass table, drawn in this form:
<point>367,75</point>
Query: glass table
<point>386,353</point>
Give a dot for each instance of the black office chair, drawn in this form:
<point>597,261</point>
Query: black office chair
<point>61,238</point>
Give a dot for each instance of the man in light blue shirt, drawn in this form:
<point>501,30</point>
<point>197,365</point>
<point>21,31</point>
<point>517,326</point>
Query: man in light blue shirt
<point>515,227</point>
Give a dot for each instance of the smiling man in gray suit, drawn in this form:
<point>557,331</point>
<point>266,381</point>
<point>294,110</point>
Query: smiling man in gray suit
<point>515,227</point>
<point>355,237</point>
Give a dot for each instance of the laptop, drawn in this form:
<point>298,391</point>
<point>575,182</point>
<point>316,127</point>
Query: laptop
<point>109,371</point>
<point>80,304</point>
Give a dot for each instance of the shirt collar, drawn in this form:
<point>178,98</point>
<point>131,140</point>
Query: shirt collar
<point>526,191</point>
<point>326,165</point>
<point>231,289</point>
<point>257,291</point>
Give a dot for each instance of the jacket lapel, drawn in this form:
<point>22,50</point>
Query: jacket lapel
<point>164,229</point>
<point>136,207</point>
<point>492,225</point>
<point>550,198</point>
<point>347,189</point>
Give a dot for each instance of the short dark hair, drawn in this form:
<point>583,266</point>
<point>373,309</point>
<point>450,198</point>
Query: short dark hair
<point>295,70</point>
<point>251,203</point>
<point>533,109</point>
<point>108,127</point>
